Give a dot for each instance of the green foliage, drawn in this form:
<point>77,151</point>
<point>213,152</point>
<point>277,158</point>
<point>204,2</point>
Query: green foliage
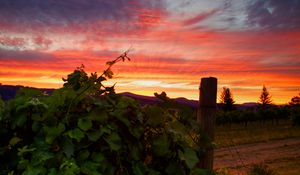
<point>85,128</point>
<point>273,113</point>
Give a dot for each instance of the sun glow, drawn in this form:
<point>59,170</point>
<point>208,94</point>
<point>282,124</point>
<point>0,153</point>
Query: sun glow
<point>146,83</point>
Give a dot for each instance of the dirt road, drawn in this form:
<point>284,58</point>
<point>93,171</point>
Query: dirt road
<point>282,156</point>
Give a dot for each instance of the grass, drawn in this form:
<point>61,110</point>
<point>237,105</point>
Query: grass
<point>238,134</point>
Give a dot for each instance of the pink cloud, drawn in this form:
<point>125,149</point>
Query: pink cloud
<point>12,41</point>
<point>41,41</point>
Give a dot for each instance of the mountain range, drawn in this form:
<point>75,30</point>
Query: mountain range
<point>8,92</point>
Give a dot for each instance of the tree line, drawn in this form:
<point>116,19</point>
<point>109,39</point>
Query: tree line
<point>264,111</point>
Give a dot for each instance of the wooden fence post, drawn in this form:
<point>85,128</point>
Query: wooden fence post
<point>206,116</point>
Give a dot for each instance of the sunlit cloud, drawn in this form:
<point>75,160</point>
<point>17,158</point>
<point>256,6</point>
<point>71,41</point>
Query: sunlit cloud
<point>173,44</point>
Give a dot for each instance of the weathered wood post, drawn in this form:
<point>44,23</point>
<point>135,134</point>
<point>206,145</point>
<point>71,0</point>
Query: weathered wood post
<point>206,116</point>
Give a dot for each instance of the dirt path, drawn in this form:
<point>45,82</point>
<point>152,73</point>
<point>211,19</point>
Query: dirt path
<point>282,154</point>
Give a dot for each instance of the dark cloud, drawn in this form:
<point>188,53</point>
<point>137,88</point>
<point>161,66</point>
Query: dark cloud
<point>24,55</point>
<point>70,13</point>
<point>200,17</point>
<point>274,14</point>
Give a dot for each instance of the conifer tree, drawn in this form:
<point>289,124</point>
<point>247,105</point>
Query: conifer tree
<point>265,98</point>
<point>226,99</point>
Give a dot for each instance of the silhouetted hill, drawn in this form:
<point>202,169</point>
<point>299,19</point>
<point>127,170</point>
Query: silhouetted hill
<point>144,100</point>
<point>154,100</point>
<point>8,92</point>
<point>193,103</point>
<point>250,105</point>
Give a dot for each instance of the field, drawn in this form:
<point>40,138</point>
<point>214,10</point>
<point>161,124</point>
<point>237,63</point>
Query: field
<point>276,145</point>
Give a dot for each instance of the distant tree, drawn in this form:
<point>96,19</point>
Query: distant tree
<point>295,110</point>
<point>163,96</point>
<point>265,98</point>
<point>295,101</point>
<point>226,99</point>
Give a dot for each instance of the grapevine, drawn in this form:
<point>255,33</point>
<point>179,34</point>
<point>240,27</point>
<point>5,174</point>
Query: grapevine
<point>86,128</point>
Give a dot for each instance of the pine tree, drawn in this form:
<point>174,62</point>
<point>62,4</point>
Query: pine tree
<point>226,99</point>
<point>265,98</point>
<point>295,101</point>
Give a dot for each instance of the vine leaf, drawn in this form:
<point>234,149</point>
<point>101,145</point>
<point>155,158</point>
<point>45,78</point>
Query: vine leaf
<point>98,115</point>
<point>138,169</point>
<point>24,150</point>
<point>108,73</point>
<point>154,115</point>
<point>13,141</point>
<point>68,147</point>
<point>190,157</point>
<point>85,124</point>
<point>114,141</point>
<point>161,145</point>
<point>91,168</point>
<point>69,167</point>
<point>83,155</point>
<point>94,135</point>
<point>76,134</point>
<point>97,157</point>
<point>175,169</point>
<point>53,132</point>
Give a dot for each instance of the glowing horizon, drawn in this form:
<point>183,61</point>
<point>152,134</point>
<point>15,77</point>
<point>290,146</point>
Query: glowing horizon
<point>173,44</point>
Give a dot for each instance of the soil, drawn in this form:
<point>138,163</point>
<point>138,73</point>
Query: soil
<point>283,156</point>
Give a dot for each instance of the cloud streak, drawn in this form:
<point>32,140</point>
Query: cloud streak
<point>200,17</point>
<point>24,55</point>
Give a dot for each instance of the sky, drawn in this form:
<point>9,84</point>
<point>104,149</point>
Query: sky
<point>173,44</point>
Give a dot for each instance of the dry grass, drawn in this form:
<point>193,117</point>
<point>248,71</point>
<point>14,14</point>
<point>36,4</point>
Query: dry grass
<point>255,132</point>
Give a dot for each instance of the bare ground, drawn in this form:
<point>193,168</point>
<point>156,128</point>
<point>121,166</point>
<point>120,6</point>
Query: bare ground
<point>283,156</point>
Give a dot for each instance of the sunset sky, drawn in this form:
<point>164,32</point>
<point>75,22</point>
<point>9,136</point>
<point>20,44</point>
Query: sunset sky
<point>173,44</point>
